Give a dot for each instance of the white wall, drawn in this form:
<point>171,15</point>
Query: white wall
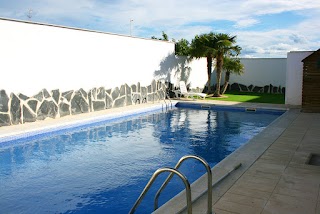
<point>198,75</point>
<point>294,76</point>
<point>260,72</point>
<point>257,71</point>
<point>35,56</point>
<point>193,72</point>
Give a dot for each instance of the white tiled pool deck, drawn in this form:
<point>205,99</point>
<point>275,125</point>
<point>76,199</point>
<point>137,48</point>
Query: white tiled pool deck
<point>280,181</point>
<point>273,178</point>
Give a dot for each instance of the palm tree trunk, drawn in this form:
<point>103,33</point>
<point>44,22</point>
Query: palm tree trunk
<point>209,69</point>
<point>219,71</point>
<point>226,82</point>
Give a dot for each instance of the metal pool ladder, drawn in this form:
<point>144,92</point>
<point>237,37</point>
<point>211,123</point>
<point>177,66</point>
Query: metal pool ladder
<point>183,178</point>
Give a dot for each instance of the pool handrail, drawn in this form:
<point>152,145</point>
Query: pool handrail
<point>152,179</point>
<point>209,172</point>
<point>167,96</point>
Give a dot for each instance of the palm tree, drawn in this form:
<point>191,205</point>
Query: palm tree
<point>224,46</point>
<point>182,47</point>
<point>231,65</point>
<point>164,37</point>
<point>204,46</point>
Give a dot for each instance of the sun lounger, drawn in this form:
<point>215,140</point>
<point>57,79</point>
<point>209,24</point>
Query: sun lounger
<point>183,91</point>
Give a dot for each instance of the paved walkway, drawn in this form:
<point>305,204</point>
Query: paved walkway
<point>280,181</point>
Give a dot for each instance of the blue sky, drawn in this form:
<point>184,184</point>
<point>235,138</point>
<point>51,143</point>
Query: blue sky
<point>264,28</point>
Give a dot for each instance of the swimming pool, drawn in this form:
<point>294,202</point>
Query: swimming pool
<point>103,168</point>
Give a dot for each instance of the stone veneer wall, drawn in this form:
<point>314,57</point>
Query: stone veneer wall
<point>18,108</point>
<point>271,89</point>
<point>258,89</point>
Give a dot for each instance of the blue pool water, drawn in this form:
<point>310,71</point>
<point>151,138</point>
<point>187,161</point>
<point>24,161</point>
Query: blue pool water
<point>103,168</point>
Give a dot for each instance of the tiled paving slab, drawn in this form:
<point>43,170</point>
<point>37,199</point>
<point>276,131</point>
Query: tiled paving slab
<point>297,189</point>
<point>288,205</point>
<point>237,207</point>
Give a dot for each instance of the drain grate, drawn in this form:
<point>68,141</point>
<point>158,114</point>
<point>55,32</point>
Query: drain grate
<point>251,109</point>
<point>314,160</point>
<point>205,107</point>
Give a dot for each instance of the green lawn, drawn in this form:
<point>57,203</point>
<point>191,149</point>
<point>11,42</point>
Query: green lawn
<point>251,97</point>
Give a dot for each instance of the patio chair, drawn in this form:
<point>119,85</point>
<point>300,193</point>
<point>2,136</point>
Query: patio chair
<point>183,91</point>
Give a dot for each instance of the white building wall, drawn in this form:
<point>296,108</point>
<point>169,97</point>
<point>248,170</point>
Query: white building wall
<point>259,72</point>
<point>193,72</point>
<point>294,76</point>
<point>35,56</point>
<point>198,75</point>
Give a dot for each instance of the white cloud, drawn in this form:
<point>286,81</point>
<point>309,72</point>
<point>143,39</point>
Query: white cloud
<point>243,23</point>
<point>275,43</point>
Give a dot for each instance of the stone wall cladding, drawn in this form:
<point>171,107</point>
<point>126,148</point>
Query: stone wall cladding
<point>258,89</point>
<point>18,108</point>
